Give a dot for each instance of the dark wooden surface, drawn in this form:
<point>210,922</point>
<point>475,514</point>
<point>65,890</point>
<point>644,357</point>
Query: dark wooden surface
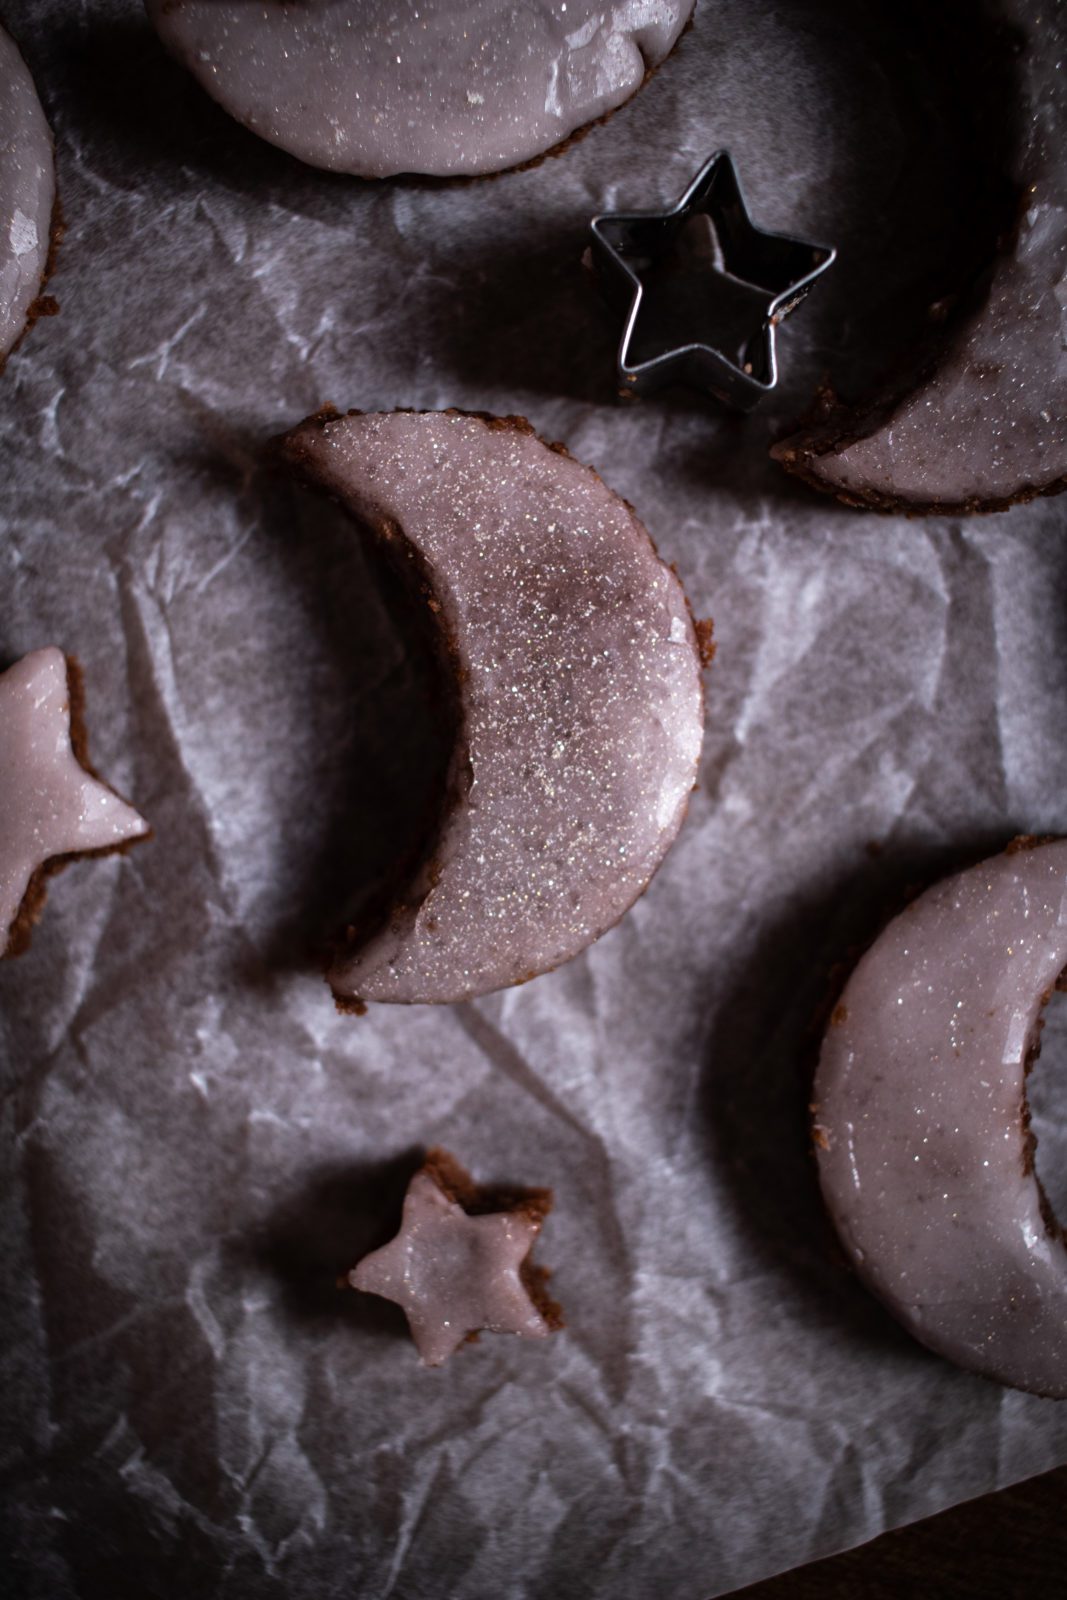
<point>1002,1546</point>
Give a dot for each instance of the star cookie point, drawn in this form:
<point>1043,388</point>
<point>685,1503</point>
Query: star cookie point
<point>53,807</point>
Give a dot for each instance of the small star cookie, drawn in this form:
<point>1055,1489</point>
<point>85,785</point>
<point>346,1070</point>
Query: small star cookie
<point>460,1261</point>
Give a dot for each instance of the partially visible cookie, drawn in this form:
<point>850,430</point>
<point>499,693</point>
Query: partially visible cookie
<point>27,197</point>
<point>52,806</point>
<point>922,1128</point>
<point>985,425</point>
<point>442,87</point>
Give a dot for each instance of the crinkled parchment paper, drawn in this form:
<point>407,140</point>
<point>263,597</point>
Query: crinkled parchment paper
<point>198,1142</point>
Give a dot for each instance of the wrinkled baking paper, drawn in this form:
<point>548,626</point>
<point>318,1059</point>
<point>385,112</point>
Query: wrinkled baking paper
<point>200,1142</point>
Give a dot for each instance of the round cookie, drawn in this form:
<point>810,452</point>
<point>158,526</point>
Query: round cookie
<point>27,196</point>
<point>441,87</point>
<point>921,1125</point>
<point>575,668</point>
<point>986,427</point>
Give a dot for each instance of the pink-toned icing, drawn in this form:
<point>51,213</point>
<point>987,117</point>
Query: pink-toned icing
<point>435,86</point>
<point>919,1121</point>
<point>580,689</point>
<point>49,805</point>
<point>454,1274</point>
<point>27,194</point>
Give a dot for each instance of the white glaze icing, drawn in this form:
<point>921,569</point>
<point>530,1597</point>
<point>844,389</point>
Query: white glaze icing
<point>581,696</point>
<point>49,805</point>
<point>27,193</point>
<point>377,87</point>
<point>919,1128</point>
<point>454,1274</point>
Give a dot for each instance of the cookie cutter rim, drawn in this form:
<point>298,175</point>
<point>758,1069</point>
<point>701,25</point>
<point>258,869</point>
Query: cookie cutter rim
<point>713,192</point>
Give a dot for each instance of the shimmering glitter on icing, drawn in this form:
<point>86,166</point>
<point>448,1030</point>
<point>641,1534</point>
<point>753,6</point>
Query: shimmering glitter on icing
<point>455,1274</point>
<point>434,86</point>
<point>924,1162</point>
<point>49,805</point>
<point>580,689</point>
<point>27,194</point>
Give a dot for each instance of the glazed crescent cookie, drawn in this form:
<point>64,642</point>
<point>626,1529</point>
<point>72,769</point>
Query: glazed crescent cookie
<point>575,668</point>
<point>921,1122</point>
<point>441,87</point>
<point>986,427</point>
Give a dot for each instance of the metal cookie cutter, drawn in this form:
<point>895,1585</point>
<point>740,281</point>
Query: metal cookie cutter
<point>703,289</point>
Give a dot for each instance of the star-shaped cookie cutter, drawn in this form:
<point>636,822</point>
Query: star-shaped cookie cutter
<point>752,278</point>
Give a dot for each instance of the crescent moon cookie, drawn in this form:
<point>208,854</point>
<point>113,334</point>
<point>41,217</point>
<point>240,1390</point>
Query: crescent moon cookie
<point>444,87</point>
<point>461,1261</point>
<point>921,1120</point>
<point>987,427</point>
<point>577,675</point>
<point>52,807</point>
<point>27,198</point>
